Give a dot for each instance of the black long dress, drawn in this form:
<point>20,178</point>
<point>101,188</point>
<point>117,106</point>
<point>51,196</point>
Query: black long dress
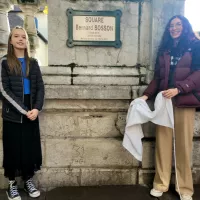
<point>21,147</point>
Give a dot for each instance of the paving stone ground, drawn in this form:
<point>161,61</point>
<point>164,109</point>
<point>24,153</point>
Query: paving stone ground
<point>135,192</point>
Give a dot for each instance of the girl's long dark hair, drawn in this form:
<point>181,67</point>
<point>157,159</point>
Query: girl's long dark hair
<point>185,39</point>
<point>13,63</point>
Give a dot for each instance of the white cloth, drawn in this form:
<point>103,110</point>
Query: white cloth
<point>139,113</point>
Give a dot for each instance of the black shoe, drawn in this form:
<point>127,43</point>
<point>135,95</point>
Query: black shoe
<point>12,191</point>
<point>30,188</point>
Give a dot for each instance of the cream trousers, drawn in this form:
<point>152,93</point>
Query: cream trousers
<point>184,128</point>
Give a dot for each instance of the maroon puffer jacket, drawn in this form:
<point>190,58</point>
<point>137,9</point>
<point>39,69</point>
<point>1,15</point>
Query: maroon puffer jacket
<point>186,79</point>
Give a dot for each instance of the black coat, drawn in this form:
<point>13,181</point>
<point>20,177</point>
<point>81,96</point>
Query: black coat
<point>12,89</point>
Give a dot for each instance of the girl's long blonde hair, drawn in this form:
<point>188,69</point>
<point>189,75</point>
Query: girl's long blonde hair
<point>13,62</point>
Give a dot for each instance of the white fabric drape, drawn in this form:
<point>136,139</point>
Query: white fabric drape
<point>140,113</point>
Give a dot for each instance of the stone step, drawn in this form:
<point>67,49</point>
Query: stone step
<point>137,192</point>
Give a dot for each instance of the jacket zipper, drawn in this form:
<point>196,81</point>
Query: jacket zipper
<point>23,93</point>
<point>30,95</point>
<point>30,89</point>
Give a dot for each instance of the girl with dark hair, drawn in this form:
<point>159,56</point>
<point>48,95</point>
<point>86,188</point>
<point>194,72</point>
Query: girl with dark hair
<point>22,90</point>
<point>177,74</point>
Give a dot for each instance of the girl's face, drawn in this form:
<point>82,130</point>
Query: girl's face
<point>176,28</point>
<point>19,39</point>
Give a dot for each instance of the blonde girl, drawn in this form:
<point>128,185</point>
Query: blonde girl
<point>22,91</point>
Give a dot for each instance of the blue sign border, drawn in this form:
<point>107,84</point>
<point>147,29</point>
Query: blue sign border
<point>71,43</point>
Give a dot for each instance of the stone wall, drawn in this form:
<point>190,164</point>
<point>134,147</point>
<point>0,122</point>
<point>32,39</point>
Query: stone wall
<point>98,84</point>
<point>88,91</point>
<point>84,56</point>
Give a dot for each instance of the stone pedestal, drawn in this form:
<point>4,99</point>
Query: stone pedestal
<point>29,10</point>
<point>29,24</point>
<point>5,6</point>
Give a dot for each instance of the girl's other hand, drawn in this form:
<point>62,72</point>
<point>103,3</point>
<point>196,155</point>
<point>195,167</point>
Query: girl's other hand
<point>144,97</point>
<point>33,114</point>
<point>170,93</point>
<point>28,114</point>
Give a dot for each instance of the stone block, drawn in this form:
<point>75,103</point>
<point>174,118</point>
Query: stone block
<point>87,92</point>
<point>121,122</point>
<point>146,176</point>
<point>46,70</point>
<point>1,151</point>
<point>98,176</point>
<point>3,180</point>
<point>100,80</point>
<point>57,23</point>
<point>79,105</point>
<point>145,28</point>
<point>105,71</point>
<point>43,152</point>
<point>80,124</point>
<point>50,178</point>
<point>89,152</point>
<point>143,71</point>
<point>149,130</point>
<point>1,127</point>
<point>196,175</point>
<point>148,158</point>
<point>197,125</point>
<point>149,75</point>
<point>57,80</point>
<point>196,154</point>
<point>141,90</point>
<point>137,91</point>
